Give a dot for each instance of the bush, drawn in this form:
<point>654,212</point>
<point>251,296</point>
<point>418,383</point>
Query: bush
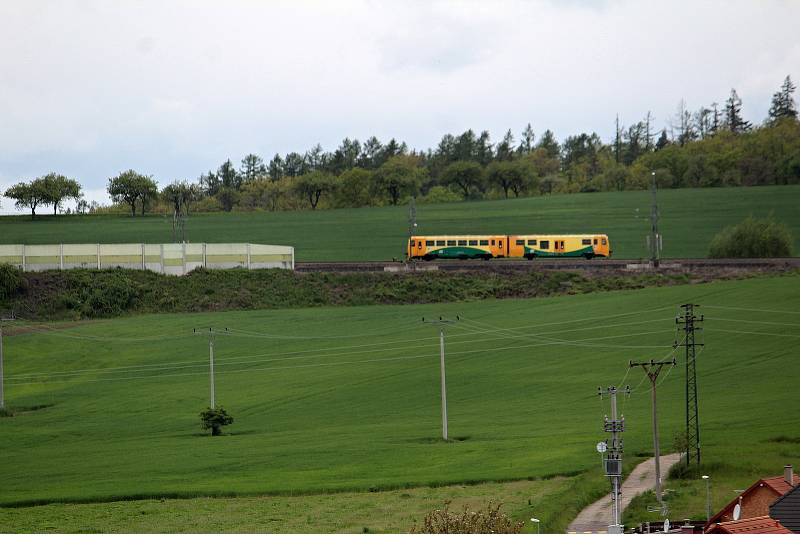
<point>753,238</point>
<point>11,281</point>
<point>112,296</point>
<point>467,522</point>
<point>215,419</point>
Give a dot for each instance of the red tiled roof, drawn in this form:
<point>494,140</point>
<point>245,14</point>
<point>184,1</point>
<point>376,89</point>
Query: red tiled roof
<point>779,484</point>
<point>754,525</point>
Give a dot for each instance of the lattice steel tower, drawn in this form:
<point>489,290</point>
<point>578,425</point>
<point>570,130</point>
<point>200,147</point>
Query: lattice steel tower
<point>692,413</point>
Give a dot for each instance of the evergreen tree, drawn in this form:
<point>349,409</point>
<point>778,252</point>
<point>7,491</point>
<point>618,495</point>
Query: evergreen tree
<point>733,114</point>
<point>276,167</point>
<point>549,143</point>
<point>252,167</point>
<point>663,140</point>
<point>783,104</point>
<point>484,148</point>
<point>526,143</point>
<point>505,151</point>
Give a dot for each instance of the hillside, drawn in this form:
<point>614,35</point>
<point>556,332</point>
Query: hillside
<point>689,219</point>
<point>348,398</point>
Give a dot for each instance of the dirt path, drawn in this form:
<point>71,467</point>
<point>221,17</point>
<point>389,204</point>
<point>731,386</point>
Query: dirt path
<point>597,516</point>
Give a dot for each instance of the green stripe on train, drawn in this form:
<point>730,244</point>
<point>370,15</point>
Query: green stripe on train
<point>546,254</point>
<point>458,252</point>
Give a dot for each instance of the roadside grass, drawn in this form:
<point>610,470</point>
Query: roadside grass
<point>329,400</point>
<point>689,220</point>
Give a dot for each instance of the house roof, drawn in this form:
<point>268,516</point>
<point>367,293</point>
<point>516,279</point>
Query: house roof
<point>776,484</point>
<point>753,525</point>
<point>779,484</point>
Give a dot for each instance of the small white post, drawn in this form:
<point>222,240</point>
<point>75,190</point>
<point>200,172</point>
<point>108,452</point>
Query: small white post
<point>204,256</point>
<point>248,256</point>
<point>24,261</point>
<point>162,257</point>
<point>144,260</point>
<point>184,257</point>
<point>61,256</point>
<point>98,255</point>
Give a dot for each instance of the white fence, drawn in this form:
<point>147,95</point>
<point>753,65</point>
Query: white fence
<point>170,258</point>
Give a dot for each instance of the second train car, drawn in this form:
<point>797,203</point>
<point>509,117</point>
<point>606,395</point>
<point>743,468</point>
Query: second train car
<point>528,246</point>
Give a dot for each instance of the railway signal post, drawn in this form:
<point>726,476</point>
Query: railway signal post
<point>442,323</point>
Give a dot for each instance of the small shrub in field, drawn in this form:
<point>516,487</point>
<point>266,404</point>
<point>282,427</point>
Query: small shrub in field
<point>468,522</point>
<point>11,281</point>
<point>753,238</point>
<point>215,419</point>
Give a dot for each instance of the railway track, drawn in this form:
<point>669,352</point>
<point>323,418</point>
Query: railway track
<point>545,264</point>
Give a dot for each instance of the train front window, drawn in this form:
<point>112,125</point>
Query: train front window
<point>413,243</point>
<point>604,241</point>
<point>544,245</point>
<point>595,240</point>
<point>492,242</point>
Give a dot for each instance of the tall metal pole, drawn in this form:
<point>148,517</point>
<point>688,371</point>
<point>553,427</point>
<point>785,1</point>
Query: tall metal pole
<point>613,460</point>
<point>655,238</point>
<point>444,385</point>
<point>211,366</point>
<point>653,369</point>
<point>442,323</point>
<point>2,376</point>
<point>692,410</point>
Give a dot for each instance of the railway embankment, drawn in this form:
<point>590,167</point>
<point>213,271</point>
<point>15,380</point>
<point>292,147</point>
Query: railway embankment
<point>88,294</point>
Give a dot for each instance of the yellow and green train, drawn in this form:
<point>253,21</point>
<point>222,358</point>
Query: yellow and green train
<point>464,247</point>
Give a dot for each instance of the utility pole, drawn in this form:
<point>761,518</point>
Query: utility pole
<point>613,459</point>
<point>210,332</point>
<point>442,323</point>
<point>2,377</point>
<point>692,411</point>
<point>412,220</point>
<point>652,369</point>
<point>654,240</point>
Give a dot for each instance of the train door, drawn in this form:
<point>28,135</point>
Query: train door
<point>559,244</point>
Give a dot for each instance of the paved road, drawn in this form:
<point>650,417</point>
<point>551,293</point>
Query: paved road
<point>597,516</point>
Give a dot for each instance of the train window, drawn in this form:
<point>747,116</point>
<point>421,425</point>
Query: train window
<point>484,242</point>
<point>604,240</point>
<point>544,244</point>
<point>428,243</point>
<point>501,244</point>
<point>413,243</point>
<point>595,240</point>
<point>440,243</point>
<point>462,242</point>
<point>419,244</point>
<point>473,241</point>
<point>492,242</point>
<point>586,242</point>
<point>451,242</point>
<point>531,242</point>
<point>520,241</point>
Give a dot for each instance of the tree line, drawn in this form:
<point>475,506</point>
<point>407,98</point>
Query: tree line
<point>709,147</point>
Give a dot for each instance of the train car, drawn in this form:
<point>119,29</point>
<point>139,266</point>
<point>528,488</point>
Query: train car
<point>559,246</point>
<point>461,247</point>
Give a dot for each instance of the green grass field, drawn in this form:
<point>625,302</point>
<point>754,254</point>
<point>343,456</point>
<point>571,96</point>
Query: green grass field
<point>689,219</point>
<point>336,399</point>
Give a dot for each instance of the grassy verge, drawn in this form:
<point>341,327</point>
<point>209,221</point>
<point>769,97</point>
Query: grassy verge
<point>79,294</point>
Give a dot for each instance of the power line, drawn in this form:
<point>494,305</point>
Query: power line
<point>2,377</point>
<point>751,309</point>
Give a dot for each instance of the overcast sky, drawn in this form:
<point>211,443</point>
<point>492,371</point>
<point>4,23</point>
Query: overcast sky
<point>172,89</point>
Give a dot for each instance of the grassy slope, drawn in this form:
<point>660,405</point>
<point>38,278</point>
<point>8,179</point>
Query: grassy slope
<point>690,218</point>
<point>358,418</point>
